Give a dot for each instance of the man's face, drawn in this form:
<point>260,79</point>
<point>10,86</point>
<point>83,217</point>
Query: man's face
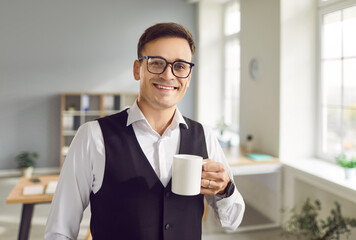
<point>162,91</point>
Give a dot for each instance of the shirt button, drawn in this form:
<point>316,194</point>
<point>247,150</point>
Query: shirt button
<point>167,226</point>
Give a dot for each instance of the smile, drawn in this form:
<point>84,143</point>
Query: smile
<point>165,87</point>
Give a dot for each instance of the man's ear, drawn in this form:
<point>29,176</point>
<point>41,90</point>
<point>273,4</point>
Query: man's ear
<point>137,70</point>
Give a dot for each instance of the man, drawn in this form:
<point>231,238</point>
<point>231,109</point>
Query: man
<point>121,164</point>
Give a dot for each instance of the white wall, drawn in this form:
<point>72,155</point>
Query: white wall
<point>298,78</point>
<point>279,107</point>
<point>299,83</point>
<point>209,88</point>
<point>259,102</point>
<point>259,108</point>
<point>50,47</point>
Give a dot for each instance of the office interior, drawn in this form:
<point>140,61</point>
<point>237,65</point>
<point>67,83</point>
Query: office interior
<point>48,48</point>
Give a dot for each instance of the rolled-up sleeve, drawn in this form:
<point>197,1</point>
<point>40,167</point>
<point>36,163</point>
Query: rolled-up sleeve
<point>228,211</point>
<point>74,187</point>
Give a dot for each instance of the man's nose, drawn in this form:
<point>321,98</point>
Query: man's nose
<point>168,72</point>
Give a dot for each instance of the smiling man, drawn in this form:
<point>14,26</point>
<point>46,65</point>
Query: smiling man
<point>121,164</point>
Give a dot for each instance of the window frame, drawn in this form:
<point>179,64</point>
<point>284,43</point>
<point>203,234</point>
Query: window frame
<point>325,8</point>
<point>225,40</point>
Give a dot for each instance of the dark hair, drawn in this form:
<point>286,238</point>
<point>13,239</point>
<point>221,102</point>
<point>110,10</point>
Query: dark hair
<point>164,30</point>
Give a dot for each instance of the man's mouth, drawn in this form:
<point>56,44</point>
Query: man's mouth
<point>165,87</point>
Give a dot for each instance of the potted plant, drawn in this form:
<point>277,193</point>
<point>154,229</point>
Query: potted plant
<point>348,164</point>
<point>306,225</point>
<point>26,162</point>
<point>223,138</point>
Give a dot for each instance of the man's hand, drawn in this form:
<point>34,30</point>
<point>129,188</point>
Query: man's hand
<point>214,178</point>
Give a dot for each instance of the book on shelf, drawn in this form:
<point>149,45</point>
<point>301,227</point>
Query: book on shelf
<point>259,157</point>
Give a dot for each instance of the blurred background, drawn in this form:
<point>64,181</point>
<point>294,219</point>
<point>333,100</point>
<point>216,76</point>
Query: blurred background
<point>276,76</point>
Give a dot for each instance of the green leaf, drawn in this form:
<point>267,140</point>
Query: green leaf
<point>306,224</point>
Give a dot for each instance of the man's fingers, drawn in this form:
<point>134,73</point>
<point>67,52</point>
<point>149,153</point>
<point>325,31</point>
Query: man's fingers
<point>210,187</point>
<point>218,176</point>
<point>206,183</point>
<point>211,184</point>
<point>214,177</point>
<point>211,166</point>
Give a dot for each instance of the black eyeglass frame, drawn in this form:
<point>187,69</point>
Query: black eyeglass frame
<point>191,65</point>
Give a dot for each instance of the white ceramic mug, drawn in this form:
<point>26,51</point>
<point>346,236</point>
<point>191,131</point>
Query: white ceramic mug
<point>186,174</point>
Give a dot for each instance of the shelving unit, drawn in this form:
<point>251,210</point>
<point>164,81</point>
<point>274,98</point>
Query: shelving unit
<point>265,178</point>
<point>79,108</point>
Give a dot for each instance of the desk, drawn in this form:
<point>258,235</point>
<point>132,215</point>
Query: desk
<point>28,201</point>
<point>243,166</point>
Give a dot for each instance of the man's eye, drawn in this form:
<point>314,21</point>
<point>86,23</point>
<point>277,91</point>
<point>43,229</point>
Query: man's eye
<point>180,66</point>
<point>157,63</point>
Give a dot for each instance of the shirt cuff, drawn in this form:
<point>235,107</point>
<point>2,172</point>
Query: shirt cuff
<point>230,211</point>
<point>222,202</point>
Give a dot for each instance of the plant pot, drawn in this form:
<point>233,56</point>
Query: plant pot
<point>349,173</point>
<point>225,143</point>
<point>27,172</point>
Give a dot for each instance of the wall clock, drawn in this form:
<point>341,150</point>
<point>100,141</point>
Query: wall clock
<point>254,68</point>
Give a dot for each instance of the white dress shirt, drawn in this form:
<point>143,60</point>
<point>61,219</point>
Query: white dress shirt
<point>83,172</point>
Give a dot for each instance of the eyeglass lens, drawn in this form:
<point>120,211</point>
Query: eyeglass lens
<point>158,66</point>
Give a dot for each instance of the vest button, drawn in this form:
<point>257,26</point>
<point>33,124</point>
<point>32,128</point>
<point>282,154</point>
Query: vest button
<point>167,226</point>
<point>168,194</point>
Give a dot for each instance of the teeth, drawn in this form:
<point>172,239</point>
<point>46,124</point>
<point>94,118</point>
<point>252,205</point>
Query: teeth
<point>163,87</point>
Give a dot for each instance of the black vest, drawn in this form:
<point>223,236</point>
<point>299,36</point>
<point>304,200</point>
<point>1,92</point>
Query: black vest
<point>132,203</point>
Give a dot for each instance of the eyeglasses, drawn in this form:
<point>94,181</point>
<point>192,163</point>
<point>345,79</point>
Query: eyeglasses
<point>157,65</point>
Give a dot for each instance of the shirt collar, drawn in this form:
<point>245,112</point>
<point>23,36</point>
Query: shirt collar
<point>135,115</point>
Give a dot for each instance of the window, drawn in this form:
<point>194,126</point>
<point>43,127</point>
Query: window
<point>338,81</point>
<point>231,64</point>
<point>218,80</point>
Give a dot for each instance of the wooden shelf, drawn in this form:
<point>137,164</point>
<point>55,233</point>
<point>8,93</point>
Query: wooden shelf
<point>79,108</point>
<point>251,173</point>
<point>236,157</point>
